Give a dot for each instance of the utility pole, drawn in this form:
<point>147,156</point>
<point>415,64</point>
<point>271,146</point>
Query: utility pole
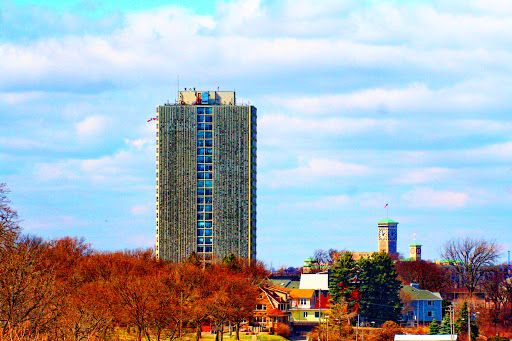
<point>357,326</point>
<point>452,327</point>
<point>362,331</point>
<point>469,325</point>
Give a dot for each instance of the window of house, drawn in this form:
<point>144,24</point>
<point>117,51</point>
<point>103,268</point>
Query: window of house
<point>283,306</point>
<point>261,307</point>
<point>317,314</point>
<point>430,313</point>
<point>305,314</point>
<point>429,302</point>
<point>303,301</point>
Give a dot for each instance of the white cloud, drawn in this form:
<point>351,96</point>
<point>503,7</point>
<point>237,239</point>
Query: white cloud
<point>121,168</point>
<point>314,170</point>
<point>275,127</point>
<point>423,175</point>
<point>92,126</point>
<point>143,209</point>
<point>427,198</point>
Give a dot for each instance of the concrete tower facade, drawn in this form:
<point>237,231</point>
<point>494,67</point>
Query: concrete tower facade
<point>206,177</point>
<point>387,229</point>
<point>415,251</point>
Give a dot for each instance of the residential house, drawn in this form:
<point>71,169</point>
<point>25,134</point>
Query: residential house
<point>272,307</point>
<point>307,306</point>
<point>320,283</point>
<point>422,306</point>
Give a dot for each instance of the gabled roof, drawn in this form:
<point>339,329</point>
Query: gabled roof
<point>314,281</point>
<point>273,298</point>
<point>302,293</point>
<point>275,312</point>
<point>421,295</point>
<point>284,283</point>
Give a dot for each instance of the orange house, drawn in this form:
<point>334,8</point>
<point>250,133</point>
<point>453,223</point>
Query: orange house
<point>272,307</point>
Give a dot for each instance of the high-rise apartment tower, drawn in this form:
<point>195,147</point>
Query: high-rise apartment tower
<point>206,177</point>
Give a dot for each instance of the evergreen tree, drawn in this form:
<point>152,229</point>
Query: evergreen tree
<point>231,262</point>
<point>369,285</point>
<point>379,288</point>
<point>445,325</point>
<point>343,281</point>
<point>433,328</point>
<point>461,325</point>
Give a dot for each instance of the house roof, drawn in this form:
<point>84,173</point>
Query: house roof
<point>284,283</point>
<point>420,295</point>
<point>314,281</point>
<point>275,312</point>
<point>302,293</point>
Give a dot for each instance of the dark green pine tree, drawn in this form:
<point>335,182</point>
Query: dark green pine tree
<point>433,328</point>
<point>343,280</point>
<point>379,289</point>
<point>231,262</point>
<point>445,325</point>
<point>461,325</point>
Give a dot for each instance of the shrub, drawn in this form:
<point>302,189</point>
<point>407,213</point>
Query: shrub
<point>388,331</point>
<point>498,338</point>
<point>282,329</point>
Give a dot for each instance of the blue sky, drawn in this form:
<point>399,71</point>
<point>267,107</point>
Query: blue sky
<point>360,104</point>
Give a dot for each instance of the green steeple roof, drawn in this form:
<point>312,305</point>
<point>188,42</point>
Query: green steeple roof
<point>387,221</point>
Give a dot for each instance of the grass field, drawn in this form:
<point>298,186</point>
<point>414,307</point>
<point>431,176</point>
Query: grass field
<point>123,335</point>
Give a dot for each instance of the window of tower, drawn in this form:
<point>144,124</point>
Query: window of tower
<point>204,176</point>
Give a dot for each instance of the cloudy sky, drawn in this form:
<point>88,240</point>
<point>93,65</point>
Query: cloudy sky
<point>360,103</point>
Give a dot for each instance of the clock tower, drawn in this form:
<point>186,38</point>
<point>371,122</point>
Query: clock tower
<point>387,236</point>
<point>415,251</point>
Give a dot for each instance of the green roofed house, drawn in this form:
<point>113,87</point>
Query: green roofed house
<point>422,306</point>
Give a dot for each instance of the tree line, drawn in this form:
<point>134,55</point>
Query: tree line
<point>65,290</point>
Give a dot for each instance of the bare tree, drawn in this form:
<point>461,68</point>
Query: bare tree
<point>326,256</point>
<point>9,223</point>
<point>471,257</point>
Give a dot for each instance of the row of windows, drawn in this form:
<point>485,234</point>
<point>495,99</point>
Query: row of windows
<point>204,184</point>
<point>204,168</point>
<point>204,191</point>
<point>204,159</point>
<point>204,151</point>
<point>204,240</point>
<point>201,118</point>
<point>204,208</point>
<point>204,216</point>
<point>206,232</point>
<point>204,135</point>
<point>205,143</point>
<point>207,184</point>
<point>204,111</point>
<point>205,176</point>
<point>201,126</point>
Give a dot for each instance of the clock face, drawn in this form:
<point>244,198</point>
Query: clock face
<point>392,234</point>
<point>383,234</point>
